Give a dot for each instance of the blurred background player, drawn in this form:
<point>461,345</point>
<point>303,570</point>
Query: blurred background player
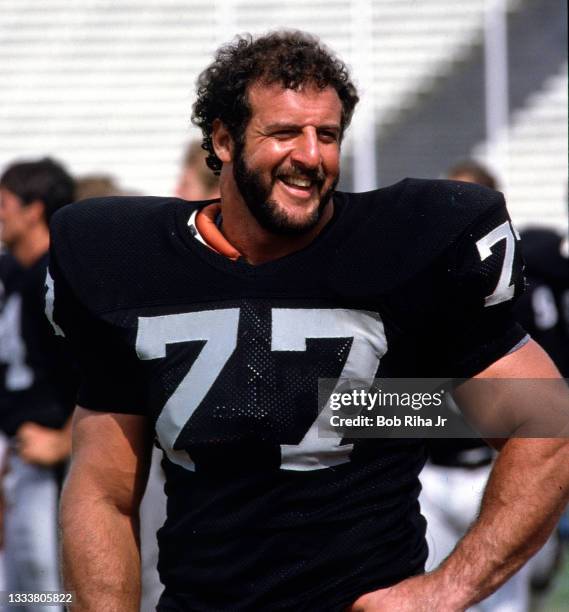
<point>471,171</point>
<point>543,310</point>
<point>98,186</point>
<point>196,181</point>
<point>37,387</point>
<point>455,477</point>
<point>8,267</point>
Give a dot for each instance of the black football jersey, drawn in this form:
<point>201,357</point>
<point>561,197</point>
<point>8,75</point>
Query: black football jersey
<point>416,279</point>
<point>37,382</point>
<point>544,308</point>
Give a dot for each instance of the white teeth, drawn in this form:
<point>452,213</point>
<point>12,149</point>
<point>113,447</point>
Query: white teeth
<point>298,182</point>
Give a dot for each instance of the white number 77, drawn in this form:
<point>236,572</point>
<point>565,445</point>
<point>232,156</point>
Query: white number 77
<point>290,330</point>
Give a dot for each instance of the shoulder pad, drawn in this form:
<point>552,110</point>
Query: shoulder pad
<point>402,229</point>
<point>100,243</point>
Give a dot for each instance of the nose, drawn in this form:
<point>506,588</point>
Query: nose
<point>306,152</point>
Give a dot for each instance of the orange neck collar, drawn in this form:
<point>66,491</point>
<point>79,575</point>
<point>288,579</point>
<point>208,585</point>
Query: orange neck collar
<point>205,225</point>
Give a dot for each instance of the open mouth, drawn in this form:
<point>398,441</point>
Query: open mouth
<point>298,186</point>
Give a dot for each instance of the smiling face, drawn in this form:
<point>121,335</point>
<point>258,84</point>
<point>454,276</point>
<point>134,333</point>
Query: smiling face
<point>288,166</point>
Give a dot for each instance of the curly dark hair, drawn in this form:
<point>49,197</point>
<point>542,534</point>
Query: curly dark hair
<point>291,58</point>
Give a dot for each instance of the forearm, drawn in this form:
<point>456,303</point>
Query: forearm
<point>101,557</point>
<point>526,493</point>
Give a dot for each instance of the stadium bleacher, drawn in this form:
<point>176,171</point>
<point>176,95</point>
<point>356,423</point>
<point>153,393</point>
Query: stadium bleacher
<point>536,155</point>
<point>107,87</point>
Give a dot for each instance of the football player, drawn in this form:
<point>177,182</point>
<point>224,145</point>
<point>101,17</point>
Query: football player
<point>37,380</point>
<point>543,310</point>
<point>208,325</point>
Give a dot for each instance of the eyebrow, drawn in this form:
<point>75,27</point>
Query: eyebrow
<point>294,126</point>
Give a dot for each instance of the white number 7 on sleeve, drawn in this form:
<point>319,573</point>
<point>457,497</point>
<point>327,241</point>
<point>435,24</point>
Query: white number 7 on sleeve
<point>504,291</point>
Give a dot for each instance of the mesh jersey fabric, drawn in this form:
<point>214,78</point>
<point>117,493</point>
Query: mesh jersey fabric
<point>225,357</point>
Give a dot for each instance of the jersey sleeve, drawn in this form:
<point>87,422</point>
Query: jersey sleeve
<point>60,366</point>
<point>109,377</point>
<point>483,272</point>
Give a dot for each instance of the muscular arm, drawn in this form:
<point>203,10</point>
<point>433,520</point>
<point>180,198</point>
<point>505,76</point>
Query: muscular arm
<point>524,498</point>
<point>99,510</point>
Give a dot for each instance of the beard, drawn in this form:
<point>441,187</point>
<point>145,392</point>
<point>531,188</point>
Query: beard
<point>268,213</point>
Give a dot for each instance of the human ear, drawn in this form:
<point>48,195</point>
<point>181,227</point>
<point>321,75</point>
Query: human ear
<point>222,141</point>
<point>35,211</point>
